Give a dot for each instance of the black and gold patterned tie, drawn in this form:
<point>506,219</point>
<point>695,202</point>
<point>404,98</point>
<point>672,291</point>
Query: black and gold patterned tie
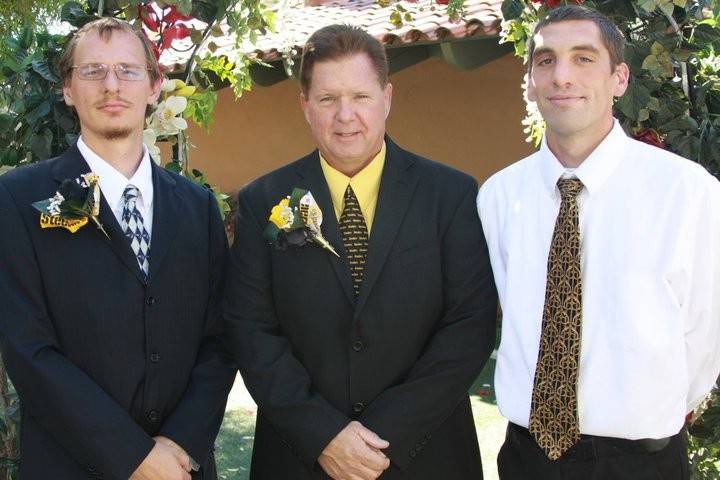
<point>553,412</point>
<point>354,237</point>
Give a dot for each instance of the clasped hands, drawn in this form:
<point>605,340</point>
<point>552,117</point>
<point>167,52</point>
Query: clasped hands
<point>355,454</point>
<point>166,461</point>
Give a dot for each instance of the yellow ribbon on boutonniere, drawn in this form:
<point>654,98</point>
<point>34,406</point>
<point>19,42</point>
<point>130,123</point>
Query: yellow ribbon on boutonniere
<point>74,205</point>
<point>56,221</point>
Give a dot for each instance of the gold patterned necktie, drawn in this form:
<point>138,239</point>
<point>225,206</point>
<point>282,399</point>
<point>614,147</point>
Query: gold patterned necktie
<point>354,237</point>
<point>553,412</point>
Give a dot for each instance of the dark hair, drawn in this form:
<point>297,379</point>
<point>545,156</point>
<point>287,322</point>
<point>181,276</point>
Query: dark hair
<point>337,41</point>
<point>611,36</point>
<point>105,27</point>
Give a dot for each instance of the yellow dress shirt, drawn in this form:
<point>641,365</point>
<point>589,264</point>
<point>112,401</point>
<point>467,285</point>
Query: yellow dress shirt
<point>365,184</point>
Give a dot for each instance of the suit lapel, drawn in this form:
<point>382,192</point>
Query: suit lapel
<point>312,179</point>
<point>166,212</point>
<point>397,185</point>
<point>71,165</point>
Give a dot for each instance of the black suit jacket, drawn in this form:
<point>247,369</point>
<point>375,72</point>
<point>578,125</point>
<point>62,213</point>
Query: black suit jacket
<point>401,359</point>
<point>103,361</point>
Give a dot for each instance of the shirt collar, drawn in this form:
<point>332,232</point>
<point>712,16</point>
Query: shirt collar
<point>113,183</point>
<point>594,170</point>
<point>365,183</point>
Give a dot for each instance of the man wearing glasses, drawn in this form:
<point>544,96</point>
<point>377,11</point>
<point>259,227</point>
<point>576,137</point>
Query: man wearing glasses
<point>111,335</point>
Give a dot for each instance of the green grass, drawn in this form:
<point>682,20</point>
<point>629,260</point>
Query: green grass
<point>233,447</point>
<point>234,443</point>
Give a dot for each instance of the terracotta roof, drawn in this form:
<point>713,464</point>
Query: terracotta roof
<point>295,24</point>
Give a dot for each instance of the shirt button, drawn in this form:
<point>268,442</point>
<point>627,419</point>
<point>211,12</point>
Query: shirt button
<point>358,345</point>
<point>358,407</point>
<point>150,301</point>
<point>152,415</point>
<point>154,357</point>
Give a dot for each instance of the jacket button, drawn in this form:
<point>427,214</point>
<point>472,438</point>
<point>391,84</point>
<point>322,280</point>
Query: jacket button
<point>358,407</point>
<point>150,301</point>
<point>357,346</point>
<point>413,454</point>
<point>154,357</point>
<point>152,415</point>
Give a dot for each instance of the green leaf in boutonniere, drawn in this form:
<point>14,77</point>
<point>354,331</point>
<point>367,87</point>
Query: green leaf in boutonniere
<point>76,203</point>
<point>295,221</point>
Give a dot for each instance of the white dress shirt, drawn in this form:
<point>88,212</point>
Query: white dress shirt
<point>113,183</point>
<point>650,259</point>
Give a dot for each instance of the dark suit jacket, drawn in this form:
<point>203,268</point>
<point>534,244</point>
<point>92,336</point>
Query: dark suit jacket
<point>103,361</point>
<point>401,359</point>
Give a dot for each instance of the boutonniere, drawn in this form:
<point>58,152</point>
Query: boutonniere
<point>296,221</point>
<point>76,203</point>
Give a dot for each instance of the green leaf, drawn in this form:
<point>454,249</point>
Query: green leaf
<point>74,14</point>
<point>40,144</point>
<point>654,104</point>
<point>26,37</point>
<point>42,68</point>
<point>683,124</point>
<point>173,167</point>
<point>657,48</point>
<point>707,35</point>
<point>184,6</point>
<point>511,9</point>
<point>7,122</point>
<point>688,146</point>
<point>38,113</point>
<point>9,157</point>
<point>647,5</point>
<point>667,7</point>
<point>636,98</point>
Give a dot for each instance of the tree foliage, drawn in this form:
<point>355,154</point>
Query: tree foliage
<point>37,14</point>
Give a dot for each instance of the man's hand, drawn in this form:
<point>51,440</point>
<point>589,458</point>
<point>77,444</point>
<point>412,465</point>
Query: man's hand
<point>182,455</point>
<point>354,454</point>
<point>163,463</point>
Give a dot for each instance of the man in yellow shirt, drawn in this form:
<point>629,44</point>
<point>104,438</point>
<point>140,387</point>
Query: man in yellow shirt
<point>359,354</point>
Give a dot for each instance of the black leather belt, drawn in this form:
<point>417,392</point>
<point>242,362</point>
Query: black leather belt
<point>592,446</point>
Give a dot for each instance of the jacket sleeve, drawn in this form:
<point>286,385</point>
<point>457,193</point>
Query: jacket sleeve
<point>277,380</point>
<point>195,421</point>
<point>408,413</point>
<point>97,432</point>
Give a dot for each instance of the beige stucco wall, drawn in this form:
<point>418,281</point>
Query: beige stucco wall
<point>467,119</point>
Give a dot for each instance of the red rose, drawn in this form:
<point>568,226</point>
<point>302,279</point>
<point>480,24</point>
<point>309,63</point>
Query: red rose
<point>651,137</point>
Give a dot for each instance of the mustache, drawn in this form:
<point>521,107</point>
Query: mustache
<point>106,100</point>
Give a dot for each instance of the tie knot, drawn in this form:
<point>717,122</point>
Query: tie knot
<point>130,193</point>
<point>569,187</point>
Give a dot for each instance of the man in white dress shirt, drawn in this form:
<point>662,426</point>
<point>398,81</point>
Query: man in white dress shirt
<point>606,256</point>
<point>112,337</point>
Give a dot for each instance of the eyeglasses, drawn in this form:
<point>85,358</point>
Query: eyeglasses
<point>123,71</point>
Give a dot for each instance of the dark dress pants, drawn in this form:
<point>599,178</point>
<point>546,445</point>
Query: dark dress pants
<point>592,458</point>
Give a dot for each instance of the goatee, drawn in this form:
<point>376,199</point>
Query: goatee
<point>117,134</point>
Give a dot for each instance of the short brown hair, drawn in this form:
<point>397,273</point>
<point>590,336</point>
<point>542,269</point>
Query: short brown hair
<point>612,37</point>
<point>105,27</point>
<point>337,41</point>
